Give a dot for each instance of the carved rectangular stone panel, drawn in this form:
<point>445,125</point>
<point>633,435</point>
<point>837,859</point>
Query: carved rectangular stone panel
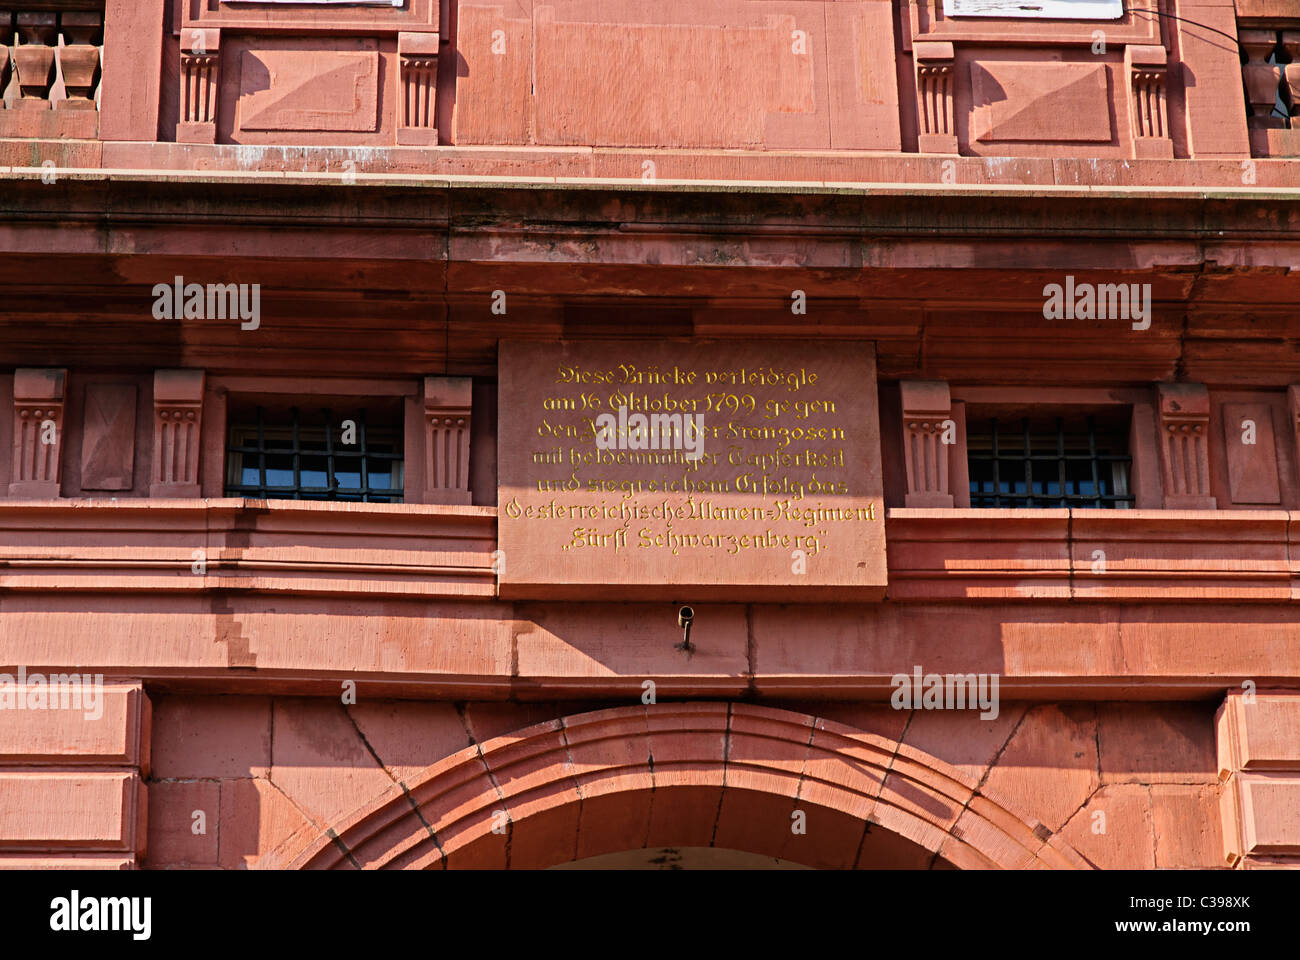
<point>690,471</point>
<point>448,403</point>
<point>1251,454</point>
<point>108,437</point>
<point>1270,814</point>
<point>592,73</point>
<point>927,422</point>
<point>81,810</point>
<point>288,86</point>
<point>1022,101</point>
<point>178,419</point>
<point>1184,451</point>
<point>38,432</point>
<point>108,723</point>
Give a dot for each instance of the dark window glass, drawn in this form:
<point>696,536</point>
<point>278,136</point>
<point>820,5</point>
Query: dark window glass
<point>1047,462</point>
<point>325,456</point>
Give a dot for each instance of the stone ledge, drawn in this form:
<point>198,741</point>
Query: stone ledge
<point>1160,555</point>
<point>579,164</point>
<point>277,546</point>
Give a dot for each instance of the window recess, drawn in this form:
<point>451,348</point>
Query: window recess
<point>1045,460</point>
<point>324,453</point>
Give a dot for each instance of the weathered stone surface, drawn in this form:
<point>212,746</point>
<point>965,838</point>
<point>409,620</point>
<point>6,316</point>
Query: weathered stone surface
<point>211,737</point>
<point>1062,739</point>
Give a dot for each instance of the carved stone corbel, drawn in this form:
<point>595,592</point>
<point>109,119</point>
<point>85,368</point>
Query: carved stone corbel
<point>927,423</point>
<point>1148,73</point>
<point>199,79</point>
<point>1184,446</point>
<point>448,404</point>
<point>935,80</point>
<point>39,397</point>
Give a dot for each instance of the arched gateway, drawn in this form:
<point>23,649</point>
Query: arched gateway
<point>686,775</point>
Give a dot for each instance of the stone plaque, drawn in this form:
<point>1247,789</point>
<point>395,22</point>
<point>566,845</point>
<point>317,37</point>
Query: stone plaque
<point>686,471</point>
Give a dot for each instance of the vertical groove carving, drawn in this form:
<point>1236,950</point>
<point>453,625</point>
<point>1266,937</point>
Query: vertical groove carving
<point>927,417</point>
<point>447,418</point>
<point>1148,73</point>
<point>199,82</point>
<point>418,54</point>
<point>178,419</point>
<point>38,432</point>
<point>936,129</point>
<point>1185,428</point>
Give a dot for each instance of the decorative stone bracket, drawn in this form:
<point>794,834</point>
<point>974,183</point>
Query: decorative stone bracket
<point>79,58</point>
<point>927,423</point>
<point>1184,449</point>
<point>935,78</point>
<point>199,79</point>
<point>33,60</point>
<point>1270,135</point>
<point>38,432</point>
<point>417,124</point>
<point>1147,70</point>
<point>177,419</point>
<point>448,403</point>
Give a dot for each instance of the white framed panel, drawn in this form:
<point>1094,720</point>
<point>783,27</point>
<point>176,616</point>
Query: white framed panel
<point>1046,9</point>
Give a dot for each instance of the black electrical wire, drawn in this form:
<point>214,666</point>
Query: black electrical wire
<point>1170,16</point>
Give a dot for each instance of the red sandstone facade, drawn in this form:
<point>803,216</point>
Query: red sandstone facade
<point>289,683</point>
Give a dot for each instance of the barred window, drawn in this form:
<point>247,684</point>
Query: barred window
<point>1048,462</point>
<point>315,455</point>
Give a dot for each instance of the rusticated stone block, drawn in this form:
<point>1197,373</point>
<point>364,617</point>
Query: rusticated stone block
<point>1267,731</point>
<point>102,723</point>
<point>1270,814</point>
<point>201,737</point>
<point>184,823</point>
<point>82,810</point>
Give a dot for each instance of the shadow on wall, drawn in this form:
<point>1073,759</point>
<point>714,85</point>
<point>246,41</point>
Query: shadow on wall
<point>269,774</point>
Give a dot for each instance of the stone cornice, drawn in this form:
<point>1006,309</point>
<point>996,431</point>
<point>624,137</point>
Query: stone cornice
<point>894,207</point>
